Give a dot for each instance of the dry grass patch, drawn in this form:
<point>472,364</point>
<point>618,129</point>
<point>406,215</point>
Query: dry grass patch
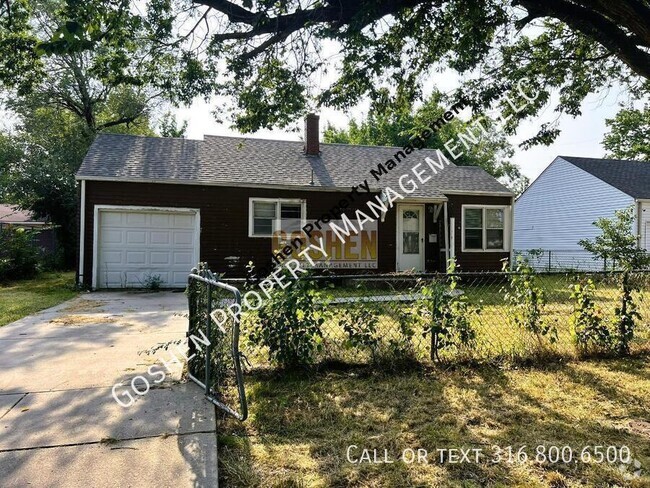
<point>301,425</point>
<point>82,320</point>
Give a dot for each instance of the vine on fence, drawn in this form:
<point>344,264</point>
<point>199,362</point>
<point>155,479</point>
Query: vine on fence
<point>446,314</point>
<point>289,324</point>
<point>527,300</point>
<point>626,315</point>
<point>592,334</point>
<point>360,324</point>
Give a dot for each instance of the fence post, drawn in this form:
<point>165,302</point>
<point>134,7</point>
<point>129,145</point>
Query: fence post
<point>208,347</point>
<point>549,259</point>
<point>191,306</point>
<point>433,334</point>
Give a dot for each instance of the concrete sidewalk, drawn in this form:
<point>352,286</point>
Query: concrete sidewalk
<point>59,422</point>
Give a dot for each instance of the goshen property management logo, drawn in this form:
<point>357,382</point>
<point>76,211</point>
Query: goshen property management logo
<point>359,251</point>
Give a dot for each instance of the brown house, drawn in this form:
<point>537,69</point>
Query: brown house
<point>154,207</point>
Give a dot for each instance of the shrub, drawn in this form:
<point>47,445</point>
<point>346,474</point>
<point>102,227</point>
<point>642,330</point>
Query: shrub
<point>153,282</point>
<point>527,300</point>
<point>289,324</point>
<point>591,331</point>
<point>19,257</point>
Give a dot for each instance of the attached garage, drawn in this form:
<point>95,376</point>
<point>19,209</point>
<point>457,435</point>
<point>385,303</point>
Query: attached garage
<point>134,246</point>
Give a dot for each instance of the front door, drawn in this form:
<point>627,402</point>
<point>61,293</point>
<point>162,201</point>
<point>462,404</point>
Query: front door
<point>410,237</point>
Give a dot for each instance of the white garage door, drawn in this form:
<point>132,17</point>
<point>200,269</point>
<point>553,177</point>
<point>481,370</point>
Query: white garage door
<point>136,247</point>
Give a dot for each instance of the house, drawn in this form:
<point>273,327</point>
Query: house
<point>559,208</point>
<point>12,216</point>
<point>154,207</point>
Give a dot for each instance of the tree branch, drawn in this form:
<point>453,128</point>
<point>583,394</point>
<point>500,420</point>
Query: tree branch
<point>127,119</point>
<point>595,26</point>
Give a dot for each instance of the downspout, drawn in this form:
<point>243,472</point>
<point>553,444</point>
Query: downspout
<point>512,232</point>
<point>446,237</point>
<point>82,231</point>
<point>452,240</point>
<point>639,219</point>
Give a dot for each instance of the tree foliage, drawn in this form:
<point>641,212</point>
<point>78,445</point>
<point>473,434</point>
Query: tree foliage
<point>77,55</point>
<point>629,134</point>
<point>617,242</point>
<point>168,126</point>
<point>270,55</point>
<point>393,123</point>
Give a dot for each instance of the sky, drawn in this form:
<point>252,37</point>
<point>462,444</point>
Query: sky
<point>580,136</point>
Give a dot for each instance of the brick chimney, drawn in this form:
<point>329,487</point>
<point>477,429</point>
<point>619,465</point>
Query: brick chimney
<point>312,143</point>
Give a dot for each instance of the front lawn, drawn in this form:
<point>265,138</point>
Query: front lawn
<point>21,298</point>
<point>301,426</point>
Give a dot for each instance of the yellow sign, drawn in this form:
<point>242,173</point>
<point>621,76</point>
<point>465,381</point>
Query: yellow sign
<point>358,251</point>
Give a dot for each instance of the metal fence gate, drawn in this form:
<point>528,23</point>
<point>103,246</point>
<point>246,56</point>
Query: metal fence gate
<point>214,360</point>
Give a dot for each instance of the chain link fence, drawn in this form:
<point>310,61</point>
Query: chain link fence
<point>214,360</point>
<point>384,318</point>
<point>547,260</point>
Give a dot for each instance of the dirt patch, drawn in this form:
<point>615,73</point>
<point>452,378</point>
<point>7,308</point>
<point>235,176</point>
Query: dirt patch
<point>640,427</point>
<point>84,306</point>
<point>82,320</point>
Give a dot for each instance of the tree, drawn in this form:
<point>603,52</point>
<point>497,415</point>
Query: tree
<point>393,124</point>
<point>118,55</point>
<point>268,54</point>
<point>63,96</point>
<point>629,134</point>
<point>40,163</point>
<point>169,126</point>
<point>617,242</point>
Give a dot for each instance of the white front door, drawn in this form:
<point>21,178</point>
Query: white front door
<point>410,237</point>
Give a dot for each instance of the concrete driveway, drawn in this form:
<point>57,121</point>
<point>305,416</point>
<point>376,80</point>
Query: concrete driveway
<point>59,422</point>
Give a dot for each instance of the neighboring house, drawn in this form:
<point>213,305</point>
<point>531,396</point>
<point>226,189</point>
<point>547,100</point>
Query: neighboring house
<point>12,216</point>
<point>560,207</point>
<point>154,207</point>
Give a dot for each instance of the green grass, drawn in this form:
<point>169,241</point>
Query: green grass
<point>21,298</point>
<point>300,426</point>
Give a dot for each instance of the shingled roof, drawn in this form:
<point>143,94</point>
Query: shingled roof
<point>239,161</point>
<point>631,177</point>
<point>11,214</point>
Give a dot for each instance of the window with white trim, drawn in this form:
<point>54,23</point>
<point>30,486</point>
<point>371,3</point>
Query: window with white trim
<point>269,215</point>
<point>484,228</point>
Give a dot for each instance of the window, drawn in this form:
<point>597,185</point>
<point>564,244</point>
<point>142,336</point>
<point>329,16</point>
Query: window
<point>270,215</point>
<point>411,232</point>
<point>484,228</point>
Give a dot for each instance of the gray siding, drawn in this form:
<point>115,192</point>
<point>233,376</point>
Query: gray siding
<point>559,209</point>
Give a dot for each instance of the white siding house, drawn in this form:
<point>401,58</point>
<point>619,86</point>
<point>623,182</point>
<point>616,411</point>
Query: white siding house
<point>559,208</point>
